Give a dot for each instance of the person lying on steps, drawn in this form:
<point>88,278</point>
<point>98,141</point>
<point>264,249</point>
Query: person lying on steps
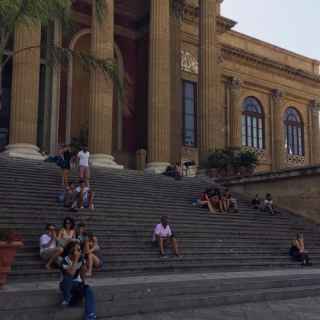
<point>49,251</point>
<point>163,235</point>
<point>297,250</point>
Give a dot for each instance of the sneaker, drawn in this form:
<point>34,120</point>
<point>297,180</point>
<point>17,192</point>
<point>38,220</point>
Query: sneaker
<point>91,316</point>
<point>64,303</point>
<point>163,256</point>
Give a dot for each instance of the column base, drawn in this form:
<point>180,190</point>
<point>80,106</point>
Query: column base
<point>23,150</point>
<point>104,161</point>
<point>156,167</point>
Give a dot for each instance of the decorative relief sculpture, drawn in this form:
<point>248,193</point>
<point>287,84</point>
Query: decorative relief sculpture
<point>295,160</point>
<point>189,63</point>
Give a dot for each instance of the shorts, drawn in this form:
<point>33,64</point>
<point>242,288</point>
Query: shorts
<point>48,253</point>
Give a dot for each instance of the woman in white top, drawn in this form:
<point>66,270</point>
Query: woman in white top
<point>162,235</point>
<point>83,157</point>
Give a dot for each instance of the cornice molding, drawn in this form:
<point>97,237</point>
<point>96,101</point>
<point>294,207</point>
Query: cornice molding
<point>233,53</point>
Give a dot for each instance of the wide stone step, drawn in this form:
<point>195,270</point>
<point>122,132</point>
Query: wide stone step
<point>147,294</point>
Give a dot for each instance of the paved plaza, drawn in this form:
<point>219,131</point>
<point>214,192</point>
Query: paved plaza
<point>295,309</point>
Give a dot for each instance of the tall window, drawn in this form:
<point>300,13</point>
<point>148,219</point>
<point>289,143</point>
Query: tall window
<point>293,132</point>
<point>252,124</point>
<point>189,113</point>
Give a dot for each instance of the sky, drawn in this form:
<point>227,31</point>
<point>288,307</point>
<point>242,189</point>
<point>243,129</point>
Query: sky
<point>290,24</point>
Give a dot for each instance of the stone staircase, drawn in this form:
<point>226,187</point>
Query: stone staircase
<point>128,205</point>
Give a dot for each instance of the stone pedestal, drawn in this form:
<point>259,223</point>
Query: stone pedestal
<point>159,87</point>
<point>235,113</point>
<point>101,90</point>
<point>207,80</point>
<point>25,94</point>
<point>278,150</point>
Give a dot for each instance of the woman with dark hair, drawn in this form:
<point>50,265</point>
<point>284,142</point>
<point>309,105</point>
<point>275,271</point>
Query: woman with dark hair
<point>297,250</point>
<point>72,285</point>
<point>67,233</point>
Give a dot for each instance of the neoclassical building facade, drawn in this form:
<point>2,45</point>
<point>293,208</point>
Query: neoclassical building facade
<point>190,85</point>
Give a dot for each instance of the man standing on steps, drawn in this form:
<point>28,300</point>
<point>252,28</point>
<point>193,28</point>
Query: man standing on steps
<point>162,235</point>
<point>83,157</point>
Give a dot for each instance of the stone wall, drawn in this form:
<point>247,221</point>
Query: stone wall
<point>294,189</point>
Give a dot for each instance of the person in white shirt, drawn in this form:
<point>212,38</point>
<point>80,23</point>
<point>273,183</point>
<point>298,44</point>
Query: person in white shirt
<point>268,204</point>
<point>49,251</point>
<point>83,157</point>
<point>162,235</point>
<point>85,196</point>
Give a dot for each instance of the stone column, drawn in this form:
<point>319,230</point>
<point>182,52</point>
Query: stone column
<point>159,87</point>
<point>25,93</point>
<point>207,80</point>
<point>101,89</point>
<point>56,88</point>
<point>235,113</point>
<point>315,134</point>
<point>278,150</point>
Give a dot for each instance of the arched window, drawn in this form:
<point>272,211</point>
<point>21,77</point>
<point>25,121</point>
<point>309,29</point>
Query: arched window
<point>252,124</point>
<point>293,132</point>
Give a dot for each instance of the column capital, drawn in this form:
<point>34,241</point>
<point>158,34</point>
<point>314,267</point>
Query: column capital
<point>235,84</point>
<point>277,95</point>
<point>315,105</point>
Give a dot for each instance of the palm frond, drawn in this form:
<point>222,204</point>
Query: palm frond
<point>63,56</point>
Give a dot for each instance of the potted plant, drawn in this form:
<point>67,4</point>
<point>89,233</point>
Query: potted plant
<point>218,162</point>
<point>247,161</point>
<point>10,241</point>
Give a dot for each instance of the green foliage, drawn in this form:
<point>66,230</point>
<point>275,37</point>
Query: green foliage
<point>235,158</point>
<point>247,157</point>
<point>28,12</point>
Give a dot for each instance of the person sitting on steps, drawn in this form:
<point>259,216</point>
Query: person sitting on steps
<point>163,235</point>
<point>90,247</point>
<point>71,197</point>
<point>49,251</point>
<point>85,196</point>
<point>233,203</point>
<point>256,202</point>
<point>297,250</point>
<point>92,254</point>
<point>67,233</point>
<point>204,200</point>
<point>73,285</point>
<point>216,200</point>
<point>268,204</point>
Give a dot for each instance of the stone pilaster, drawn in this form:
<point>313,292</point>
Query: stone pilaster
<point>176,89</point>
<point>315,132</point>
<point>235,113</point>
<point>207,79</point>
<point>101,89</point>
<point>159,87</point>
<point>278,149</point>
<point>25,93</point>
<point>56,87</point>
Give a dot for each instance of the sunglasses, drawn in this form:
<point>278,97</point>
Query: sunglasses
<point>52,229</point>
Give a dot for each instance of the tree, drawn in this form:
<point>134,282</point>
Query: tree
<point>30,12</point>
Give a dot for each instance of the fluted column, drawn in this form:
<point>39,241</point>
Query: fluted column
<point>235,113</point>
<point>278,154</point>
<point>207,85</point>
<point>25,93</point>
<point>315,127</point>
<point>159,87</point>
<point>101,89</point>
